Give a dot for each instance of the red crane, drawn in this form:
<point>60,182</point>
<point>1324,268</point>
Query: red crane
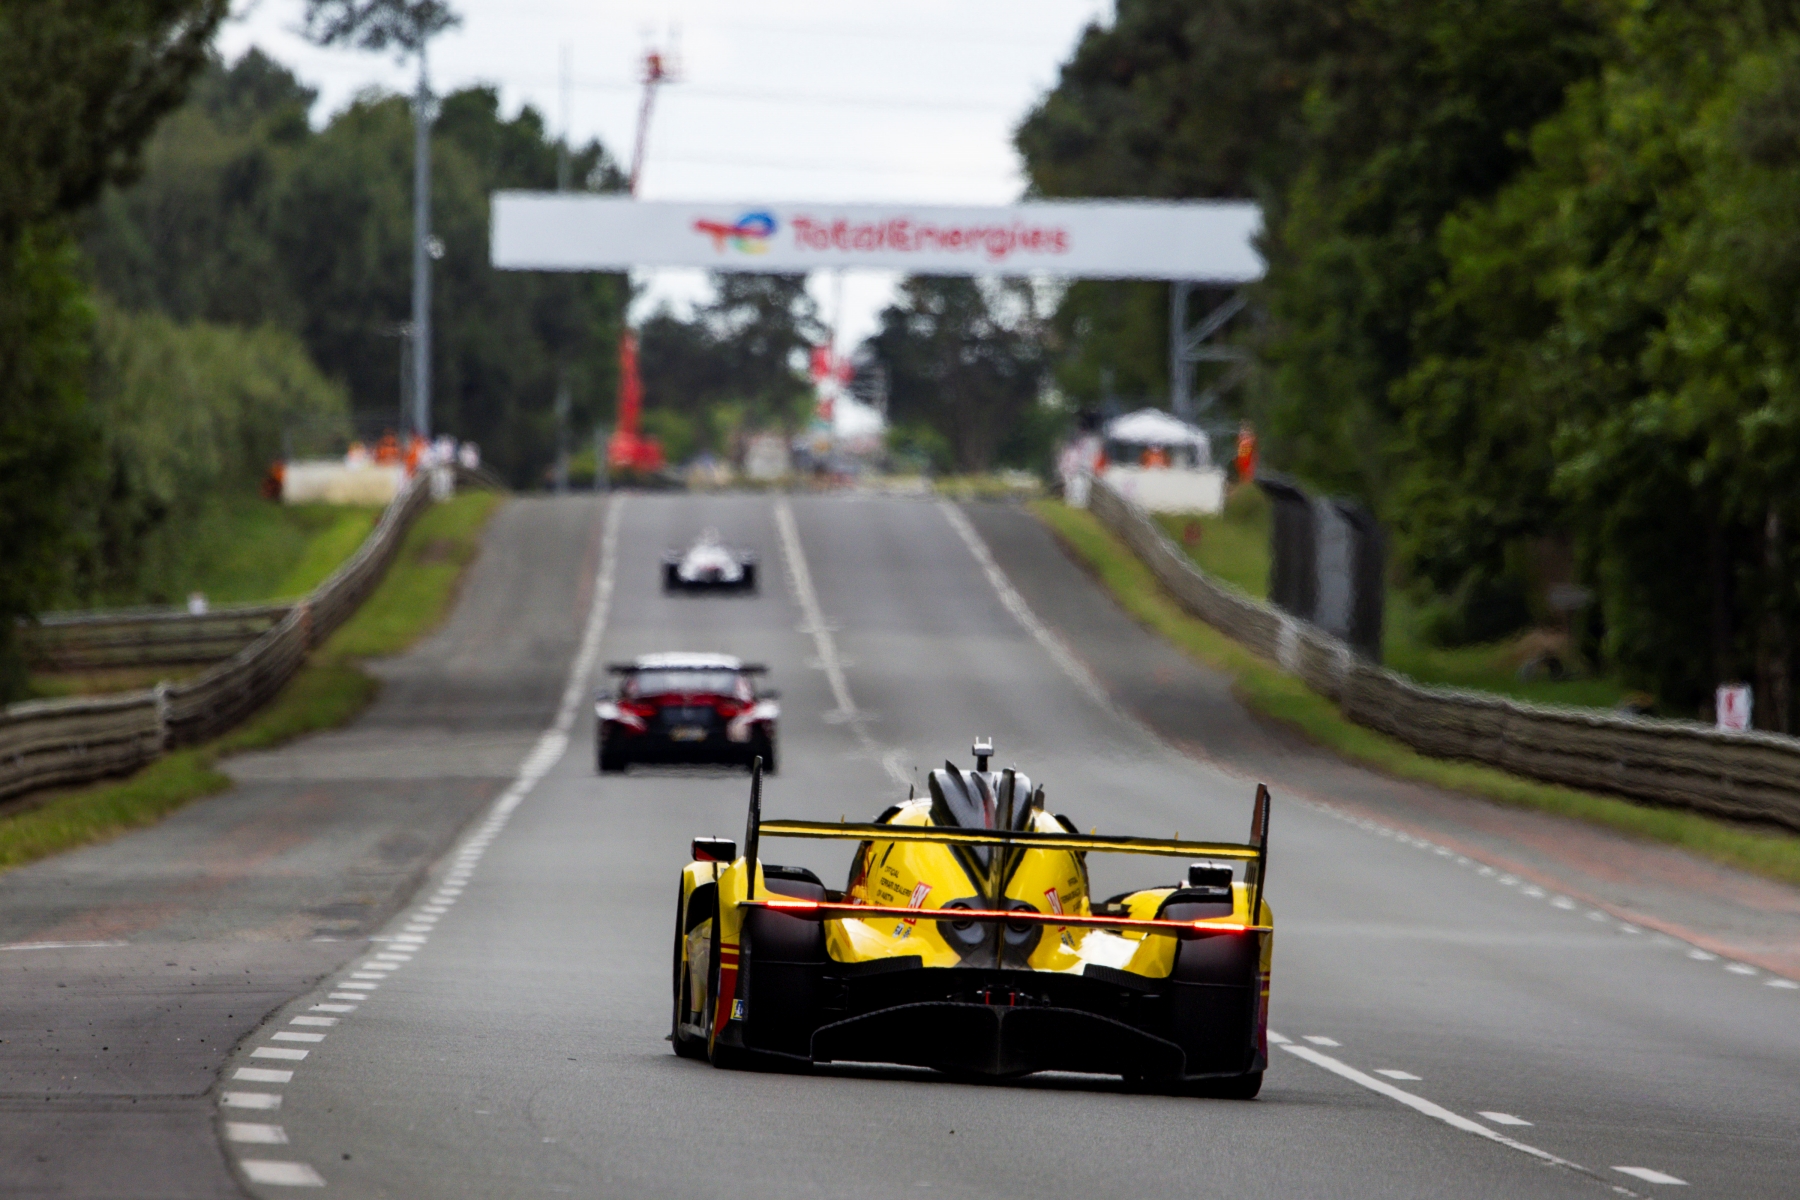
<point>629,450</point>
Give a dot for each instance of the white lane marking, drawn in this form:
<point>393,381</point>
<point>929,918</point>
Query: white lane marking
<point>391,957</point>
<point>1392,1073</point>
<point>1623,928</point>
<point>287,1035</point>
<point>250,1131</point>
<point>1740,969</point>
<point>1420,1104</point>
<point>1015,604</point>
<point>306,1020</point>
<point>281,1174</point>
<point>1563,902</point>
<point>337,1008</point>
<point>1320,1040</point>
<point>1701,956</point>
<point>281,1052</point>
<point>1501,1118</point>
<point>262,1075</point>
<point>1652,1175</point>
<point>434,910</point>
<point>1276,1038</point>
<point>1782,983</point>
<point>262,1100</point>
<point>801,578</point>
<point>1595,914</point>
<point>1534,892</point>
<point>61,945</point>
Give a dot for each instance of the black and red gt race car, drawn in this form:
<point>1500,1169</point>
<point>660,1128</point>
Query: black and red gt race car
<point>685,708</point>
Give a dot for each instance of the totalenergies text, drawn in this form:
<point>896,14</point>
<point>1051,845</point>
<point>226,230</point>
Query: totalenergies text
<point>996,243</point>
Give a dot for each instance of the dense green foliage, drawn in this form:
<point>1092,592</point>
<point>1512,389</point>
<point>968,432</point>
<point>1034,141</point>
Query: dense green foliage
<point>190,417</point>
<point>965,367</point>
<point>1533,274</point>
<point>246,214</point>
<point>82,82</point>
<point>738,365</point>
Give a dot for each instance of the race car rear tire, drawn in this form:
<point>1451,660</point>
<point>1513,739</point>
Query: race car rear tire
<point>671,577</point>
<point>1231,1087</point>
<point>1213,997</point>
<point>608,762</point>
<point>685,1045</point>
<point>749,577</point>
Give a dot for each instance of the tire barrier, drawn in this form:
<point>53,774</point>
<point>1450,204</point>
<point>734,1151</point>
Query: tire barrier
<point>49,743</point>
<point>1682,764</point>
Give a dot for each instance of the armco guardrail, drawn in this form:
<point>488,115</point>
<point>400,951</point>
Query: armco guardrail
<point>51,742</point>
<point>99,640</point>
<point>1753,776</point>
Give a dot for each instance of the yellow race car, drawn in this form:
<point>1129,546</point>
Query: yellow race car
<point>965,940</point>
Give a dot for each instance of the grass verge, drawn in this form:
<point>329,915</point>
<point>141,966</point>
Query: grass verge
<point>1234,546</point>
<point>327,692</point>
<point>1267,690</point>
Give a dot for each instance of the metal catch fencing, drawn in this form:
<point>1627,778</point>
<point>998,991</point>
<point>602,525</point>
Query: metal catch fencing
<point>47,743</point>
<point>1683,764</point>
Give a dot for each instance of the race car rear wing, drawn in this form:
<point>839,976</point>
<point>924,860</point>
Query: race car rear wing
<point>1254,853</point>
<point>742,668</point>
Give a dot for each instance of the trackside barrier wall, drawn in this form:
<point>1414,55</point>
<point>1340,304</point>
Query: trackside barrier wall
<point>45,743</point>
<point>1683,764</point>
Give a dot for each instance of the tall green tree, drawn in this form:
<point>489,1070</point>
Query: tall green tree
<point>965,361</point>
<point>738,364</point>
<point>82,84</point>
<point>246,214</point>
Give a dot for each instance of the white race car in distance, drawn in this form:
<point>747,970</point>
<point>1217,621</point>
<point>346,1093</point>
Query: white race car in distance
<point>709,566</point>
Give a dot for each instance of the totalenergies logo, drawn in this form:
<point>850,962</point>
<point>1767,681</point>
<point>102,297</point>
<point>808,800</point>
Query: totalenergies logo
<point>749,234</point>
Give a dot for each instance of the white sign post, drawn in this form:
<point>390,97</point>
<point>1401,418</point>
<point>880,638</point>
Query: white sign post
<point>1208,242</point>
<point>1732,705</point>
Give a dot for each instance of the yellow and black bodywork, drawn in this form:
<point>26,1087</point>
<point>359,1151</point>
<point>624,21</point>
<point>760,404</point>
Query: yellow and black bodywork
<point>966,940</point>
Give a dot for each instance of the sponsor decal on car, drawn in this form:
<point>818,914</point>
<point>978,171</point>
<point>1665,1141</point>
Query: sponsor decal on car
<point>919,892</point>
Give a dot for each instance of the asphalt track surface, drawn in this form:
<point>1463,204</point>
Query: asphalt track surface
<point>1444,971</point>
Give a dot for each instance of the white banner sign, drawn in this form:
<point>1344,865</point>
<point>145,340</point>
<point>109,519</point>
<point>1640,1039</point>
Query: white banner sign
<point>1110,239</point>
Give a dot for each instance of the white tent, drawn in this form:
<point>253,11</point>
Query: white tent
<point>1154,427</point>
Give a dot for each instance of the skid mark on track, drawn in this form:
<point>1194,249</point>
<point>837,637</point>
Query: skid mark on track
<point>391,952</point>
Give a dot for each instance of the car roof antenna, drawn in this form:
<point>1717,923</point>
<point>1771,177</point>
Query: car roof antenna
<point>983,750</point>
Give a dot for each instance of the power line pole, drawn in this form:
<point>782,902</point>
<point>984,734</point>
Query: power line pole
<point>424,115</point>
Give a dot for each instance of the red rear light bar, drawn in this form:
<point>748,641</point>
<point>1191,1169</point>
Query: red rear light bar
<point>943,835</point>
<point>816,910</point>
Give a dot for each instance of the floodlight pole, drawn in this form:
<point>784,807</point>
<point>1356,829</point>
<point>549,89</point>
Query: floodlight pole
<point>423,116</point>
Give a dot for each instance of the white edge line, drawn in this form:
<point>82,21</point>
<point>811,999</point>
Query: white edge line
<point>1419,1104</point>
<point>1021,611</point>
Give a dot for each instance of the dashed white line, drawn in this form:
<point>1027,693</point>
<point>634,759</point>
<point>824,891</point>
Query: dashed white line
<point>1701,956</point>
<point>281,1174</point>
<point>1420,1104</point>
<point>1651,1175</point>
<point>303,1019</point>
<point>1783,983</point>
<point>262,1075</point>
<point>288,1035</point>
<point>1740,968</point>
<point>1320,1040</point>
<point>1395,1073</point>
<point>263,1100</point>
<point>1503,1118</point>
<point>281,1052</point>
<point>1021,611</point>
<point>250,1131</point>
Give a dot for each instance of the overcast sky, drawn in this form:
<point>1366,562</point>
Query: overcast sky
<point>781,100</point>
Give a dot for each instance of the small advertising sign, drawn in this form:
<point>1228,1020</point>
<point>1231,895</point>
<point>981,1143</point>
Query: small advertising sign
<point>1733,705</point>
